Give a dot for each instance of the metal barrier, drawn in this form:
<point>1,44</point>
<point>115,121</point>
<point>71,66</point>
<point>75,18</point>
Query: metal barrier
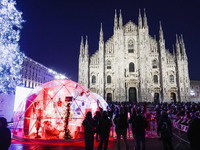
<point>180,131</point>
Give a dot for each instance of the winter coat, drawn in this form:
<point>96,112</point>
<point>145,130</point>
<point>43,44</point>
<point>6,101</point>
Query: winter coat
<point>121,122</point>
<point>97,119</point>
<point>105,125</point>
<point>193,133</point>
<point>165,127</point>
<point>5,138</point>
<point>89,126</point>
<point>139,125</point>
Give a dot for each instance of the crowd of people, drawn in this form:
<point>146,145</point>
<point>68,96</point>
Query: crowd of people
<point>139,116</point>
<point>122,115</point>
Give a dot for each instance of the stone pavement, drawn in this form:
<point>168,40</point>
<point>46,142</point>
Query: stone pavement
<point>151,144</point>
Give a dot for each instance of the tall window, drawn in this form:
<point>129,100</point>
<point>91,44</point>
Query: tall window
<point>155,79</point>
<point>108,64</point>
<point>171,78</point>
<point>154,64</point>
<point>108,79</point>
<point>131,67</point>
<point>93,79</point>
<point>130,46</point>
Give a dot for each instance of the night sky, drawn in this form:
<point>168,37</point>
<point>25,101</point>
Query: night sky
<point>52,32</point>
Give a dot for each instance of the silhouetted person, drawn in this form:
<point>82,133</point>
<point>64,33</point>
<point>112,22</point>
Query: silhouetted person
<point>165,128</point>
<point>105,125</point>
<point>132,118</point>
<point>193,132</point>
<point>5,135</point>
<point>89,124</point>
<point>97,119</point>
<point>139,126</point>
<point>121,123</point>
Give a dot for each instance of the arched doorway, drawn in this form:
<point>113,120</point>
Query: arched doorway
<point>132,95</point>
<point>156,98</point>
<point>109,97</point>
<point>173,97</point>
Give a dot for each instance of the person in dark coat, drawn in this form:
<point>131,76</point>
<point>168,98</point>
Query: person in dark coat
<point>89,130</point>
<point>105,125</point>
<point>139,126</point>
<point>193,132</point>
<point>165,128</point>
<point>121,124</point>
<point>97,119</point>
<point>132,118</point>
<point>5,134</point>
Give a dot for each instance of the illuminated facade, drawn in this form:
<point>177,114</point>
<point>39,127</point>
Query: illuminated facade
<point>134,66</point>
<point>195,91</point>
<point>34,73</point>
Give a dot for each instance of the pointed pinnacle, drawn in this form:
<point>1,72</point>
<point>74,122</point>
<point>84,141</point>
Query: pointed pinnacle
<point>160,25</point>
<point>182,39</point>
<point>177,39</point>
<point>101,27</point>
<point>115,13</point>
<point>86,41</point>
<point>144,13</point>
<point>139,12</point>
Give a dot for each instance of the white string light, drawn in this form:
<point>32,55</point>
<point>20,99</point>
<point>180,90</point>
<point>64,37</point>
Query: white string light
<point>11,58</point>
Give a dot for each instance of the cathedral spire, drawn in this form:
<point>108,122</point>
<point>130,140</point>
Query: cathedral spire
<point>140,20</point>
<point>161,37</point>
<point>101,34</point>
<point>182,46</point>
<point>86,46</point>
<point>182,41</point>
<point>177,42</point>
<point>120,20</point>
<point>145,19</point>
<point>177,46</point>
<point>173,50</point>
<point>81,47</point>
<point>115,21</point>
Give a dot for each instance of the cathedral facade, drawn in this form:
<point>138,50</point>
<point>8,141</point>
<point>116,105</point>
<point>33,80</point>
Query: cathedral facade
<point>132,66</point>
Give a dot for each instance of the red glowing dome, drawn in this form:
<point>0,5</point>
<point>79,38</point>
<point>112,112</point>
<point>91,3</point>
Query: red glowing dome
<point>55,110</point>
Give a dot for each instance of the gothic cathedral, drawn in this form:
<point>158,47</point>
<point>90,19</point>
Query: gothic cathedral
<point>132,66</point>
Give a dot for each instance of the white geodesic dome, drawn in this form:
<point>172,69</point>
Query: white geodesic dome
<point>54,107</point>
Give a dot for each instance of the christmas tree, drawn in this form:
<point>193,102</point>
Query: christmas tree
<point>11,58</point>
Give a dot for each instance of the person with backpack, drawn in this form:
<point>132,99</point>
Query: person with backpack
<point>165,129</point>
<point>139,125</point>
